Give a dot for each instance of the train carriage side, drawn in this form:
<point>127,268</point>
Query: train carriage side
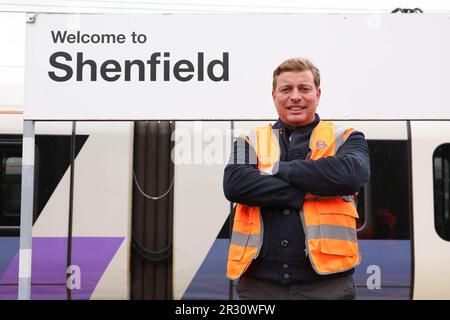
<point>403,225</point>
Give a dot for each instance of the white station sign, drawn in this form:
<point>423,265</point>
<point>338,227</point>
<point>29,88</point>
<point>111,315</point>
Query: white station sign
<point>219,66</point>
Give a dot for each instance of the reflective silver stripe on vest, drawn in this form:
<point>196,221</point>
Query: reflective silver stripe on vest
<point>245,240</point>
<point>339,132</point>
<point>328,231</point>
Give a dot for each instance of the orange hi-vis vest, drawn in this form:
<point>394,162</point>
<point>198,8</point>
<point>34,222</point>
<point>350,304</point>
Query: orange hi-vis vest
<point>329,222</point>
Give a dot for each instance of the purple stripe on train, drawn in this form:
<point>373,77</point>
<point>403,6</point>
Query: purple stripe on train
<point>91,255</point>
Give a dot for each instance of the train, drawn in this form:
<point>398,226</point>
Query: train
<point>146,229</point>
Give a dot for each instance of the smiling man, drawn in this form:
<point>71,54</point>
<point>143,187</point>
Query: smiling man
<point>294,230</point>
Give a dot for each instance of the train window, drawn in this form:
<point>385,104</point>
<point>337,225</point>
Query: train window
<point>383,204</point>
<point>10,184</point>
<point>52,159</point>
<point>12,167</point>
<point>441,174</point>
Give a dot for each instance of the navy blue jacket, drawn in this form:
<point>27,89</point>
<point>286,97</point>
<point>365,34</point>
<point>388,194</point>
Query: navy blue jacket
<point>282,258</point>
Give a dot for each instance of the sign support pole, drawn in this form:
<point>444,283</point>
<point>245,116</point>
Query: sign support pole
<point>26,210</point>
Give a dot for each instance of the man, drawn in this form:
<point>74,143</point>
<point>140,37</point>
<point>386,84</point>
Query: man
<point>294,230</point>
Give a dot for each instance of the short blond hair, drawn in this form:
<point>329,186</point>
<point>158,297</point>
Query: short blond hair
<point>296,64</point>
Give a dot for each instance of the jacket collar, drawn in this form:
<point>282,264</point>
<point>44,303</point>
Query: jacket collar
<point>280,125</point>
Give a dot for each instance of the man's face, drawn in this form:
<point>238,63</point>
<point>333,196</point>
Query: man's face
<point>296,97</point>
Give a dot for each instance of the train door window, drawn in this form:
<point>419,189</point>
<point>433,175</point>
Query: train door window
<point>441,177</point>
<point>10,186</point>
<point>12,167</point>
<point>383,203</point>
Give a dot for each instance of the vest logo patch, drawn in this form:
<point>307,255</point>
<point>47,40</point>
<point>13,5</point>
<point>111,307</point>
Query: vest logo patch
<point>321,144</point>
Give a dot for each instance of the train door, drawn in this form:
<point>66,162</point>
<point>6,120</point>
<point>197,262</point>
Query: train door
<point>200,210</point>
<point>431,181</point>
<point>384,226</point>
<point>385,236</point>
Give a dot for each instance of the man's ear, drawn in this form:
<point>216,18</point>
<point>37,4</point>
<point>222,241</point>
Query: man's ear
<point>319,92</point>
<point>273,95</point>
